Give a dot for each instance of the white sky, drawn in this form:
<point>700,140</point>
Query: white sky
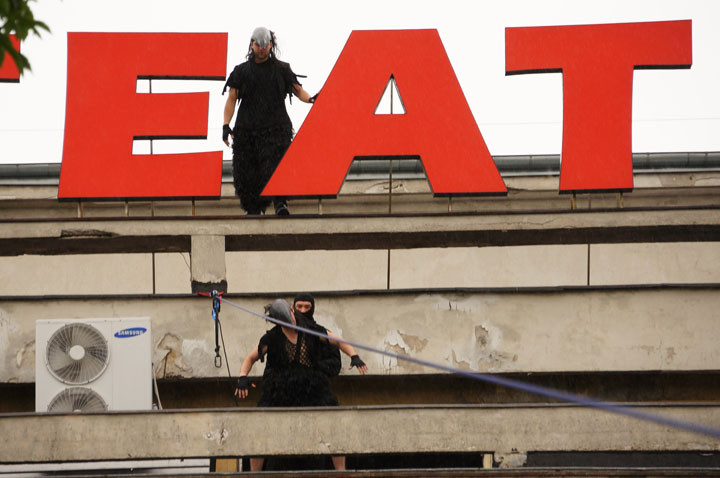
<point>673,110</point>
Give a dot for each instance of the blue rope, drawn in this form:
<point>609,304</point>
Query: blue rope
<point>510,383</point>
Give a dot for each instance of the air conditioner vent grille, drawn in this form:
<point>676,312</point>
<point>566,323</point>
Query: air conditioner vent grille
<point>77,354</point>
<point>77,399</point>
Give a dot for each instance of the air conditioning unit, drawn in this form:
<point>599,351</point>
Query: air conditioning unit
<point>93,364</point>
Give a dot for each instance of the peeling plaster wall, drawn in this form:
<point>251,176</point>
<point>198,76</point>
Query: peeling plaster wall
<point>17,350</point>
<point>570,331</point>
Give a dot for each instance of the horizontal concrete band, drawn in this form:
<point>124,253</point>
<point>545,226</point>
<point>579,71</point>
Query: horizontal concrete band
<point>668,329</point>
<point>543,266</point>
<point>360,232</point>
<point>223,432</point>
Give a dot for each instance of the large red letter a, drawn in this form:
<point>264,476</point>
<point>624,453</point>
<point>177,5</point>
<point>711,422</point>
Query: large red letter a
<point>438,125</point>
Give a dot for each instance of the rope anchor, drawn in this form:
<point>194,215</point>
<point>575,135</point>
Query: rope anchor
<point>216,297</point>
<point>215,316</point>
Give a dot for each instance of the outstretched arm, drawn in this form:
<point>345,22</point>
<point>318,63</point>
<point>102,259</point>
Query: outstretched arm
<point>300,92</point>
<point>243,387</point>
<point>349,350</point>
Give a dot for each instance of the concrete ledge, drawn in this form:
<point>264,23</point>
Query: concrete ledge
<point>235,432</point>
<point>313,232</point>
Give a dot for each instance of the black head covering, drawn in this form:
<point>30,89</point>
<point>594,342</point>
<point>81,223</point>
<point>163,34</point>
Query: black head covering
<point>279,310</point>
<point>306,297</point>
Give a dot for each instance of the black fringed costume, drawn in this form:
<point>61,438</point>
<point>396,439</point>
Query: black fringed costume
<point>263,130</point>
<point>291,377</point>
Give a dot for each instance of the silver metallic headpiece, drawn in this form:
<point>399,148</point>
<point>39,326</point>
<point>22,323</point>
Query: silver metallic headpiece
<point>261,36</point>
<point>280,310</point>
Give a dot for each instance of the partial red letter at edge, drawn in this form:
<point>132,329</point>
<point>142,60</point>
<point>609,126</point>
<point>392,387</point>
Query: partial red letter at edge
<point>104,113</point>
<point>9,72</point>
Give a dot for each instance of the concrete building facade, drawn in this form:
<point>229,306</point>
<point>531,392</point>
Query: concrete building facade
<point>612,296</point>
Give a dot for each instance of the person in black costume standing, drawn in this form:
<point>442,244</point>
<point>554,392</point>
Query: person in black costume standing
<point>291,377</point>
<point>263,130</point>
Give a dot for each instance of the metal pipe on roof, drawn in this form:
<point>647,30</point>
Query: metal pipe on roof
<point>404,168</point>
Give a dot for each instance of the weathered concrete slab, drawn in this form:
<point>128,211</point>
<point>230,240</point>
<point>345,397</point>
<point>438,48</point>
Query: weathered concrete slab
<point>660,329</point>
<point>573,265</point>
<point>265,271</point>
<point>201,433</point>
<point>666,263</point>
<point>87,274</point>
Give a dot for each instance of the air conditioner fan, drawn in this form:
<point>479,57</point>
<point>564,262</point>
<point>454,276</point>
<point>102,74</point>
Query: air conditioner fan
<point>77,399</point>
<point>77,354</point>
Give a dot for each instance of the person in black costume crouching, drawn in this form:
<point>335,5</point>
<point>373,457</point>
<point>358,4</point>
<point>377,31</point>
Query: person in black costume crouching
<point>263,130</point>
<point>291,377</point>
<point>328,356</point>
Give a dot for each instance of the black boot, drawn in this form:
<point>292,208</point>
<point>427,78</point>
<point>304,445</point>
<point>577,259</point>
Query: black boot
<point>281,208</point>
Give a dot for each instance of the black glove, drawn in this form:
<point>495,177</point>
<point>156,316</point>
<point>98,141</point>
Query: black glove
<point>355,361</point>
<point>227,131</point>
<point>313,98</point>
<point>243,383</point>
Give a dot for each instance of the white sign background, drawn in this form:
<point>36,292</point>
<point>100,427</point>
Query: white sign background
<point>673,110</point>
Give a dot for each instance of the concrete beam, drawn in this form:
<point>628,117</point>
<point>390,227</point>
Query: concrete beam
<point>35,438</point>
<point>207,264</point>
<point>313,232</point>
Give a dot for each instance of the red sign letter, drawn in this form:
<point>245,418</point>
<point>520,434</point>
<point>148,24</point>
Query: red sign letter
<point>104,113</point>
<point>437,126</point>
<point>9,72</point>
<point>597,63</point>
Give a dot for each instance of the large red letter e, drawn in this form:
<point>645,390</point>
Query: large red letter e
<point>437,126</point>
<point>104,113</point>
<point>597,62</point>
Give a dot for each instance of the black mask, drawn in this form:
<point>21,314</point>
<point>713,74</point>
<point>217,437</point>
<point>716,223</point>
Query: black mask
<point>305,297</point>
<point>302,320</point>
